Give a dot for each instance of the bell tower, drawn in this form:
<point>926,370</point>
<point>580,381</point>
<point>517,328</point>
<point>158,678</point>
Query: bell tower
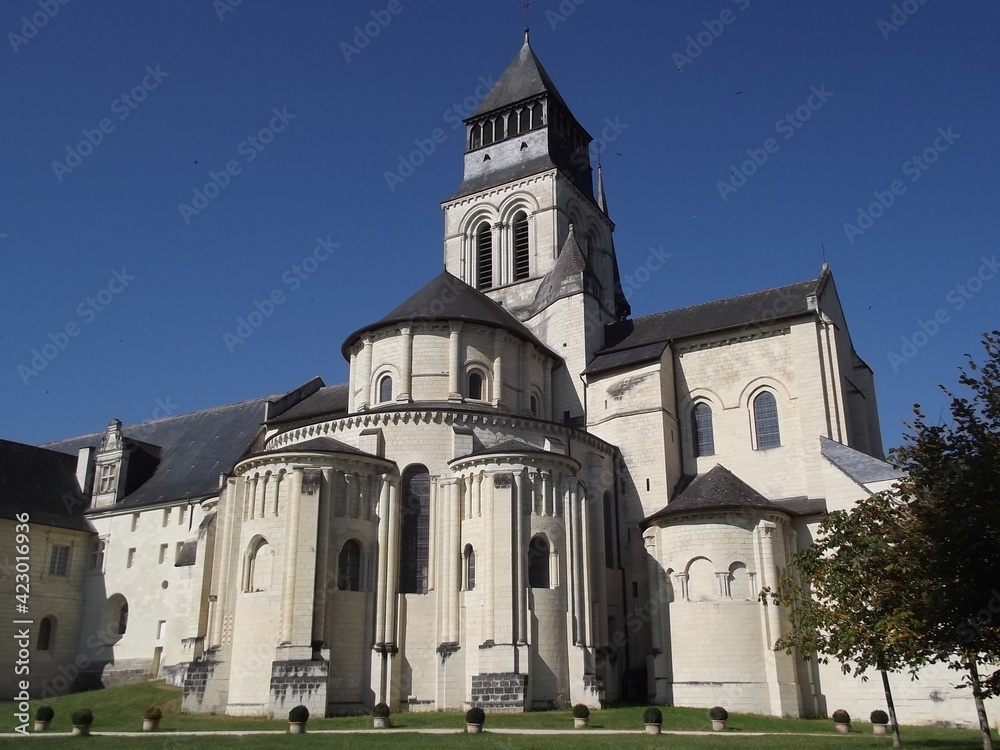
<point>526,179</point>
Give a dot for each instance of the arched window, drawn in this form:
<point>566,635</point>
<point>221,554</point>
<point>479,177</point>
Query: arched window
<point>476,385</point>
<point>414,531</point>
<point>46,633</point>
<point>259,563</point>
<point>739,582</point>
<point>385,389</point>
<point>765,421</point>
<point>123,619</point>
<point>487,132</point>
<point>349,567</point>
<point>475,137</point>
<point>701,428</point>
<point>536,115</point>
<point>469,557</point>
<point>538,563</point>
<point>524,120</point>
<point>522,259</point>
<point>499,128</point>
<point>534,406</point>
<point>484,256</point>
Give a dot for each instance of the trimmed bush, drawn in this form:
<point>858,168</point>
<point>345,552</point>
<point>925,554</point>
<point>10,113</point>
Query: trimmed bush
<point>83,717</point>
<point>475,715</point>
<point>299,714</point>
<point>653,715</point>
<point>718,713</point>
<point>840,716</point>
<point>580,711</point>
<point>879,717</point>
<point>153,713</point>
<point>45,713</point>
<point>381,711</point>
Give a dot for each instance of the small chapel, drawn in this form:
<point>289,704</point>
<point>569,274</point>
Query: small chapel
<point>523,497</point>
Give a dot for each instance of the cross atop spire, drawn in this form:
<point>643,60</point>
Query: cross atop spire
<point>526,5</point>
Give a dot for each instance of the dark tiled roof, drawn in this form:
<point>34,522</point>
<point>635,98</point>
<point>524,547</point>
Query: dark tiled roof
<point>524,78</point>
<point>802,506</point>
<point>717,489</point>
<point>194,449</point>
<point>509,446</point>
<point>42,483</point>
<point>331,400</point>
<point>643,339</point>
<point>570,274</point>
<point>510,173</point>
<point>317,445</point>
<point>859,466</point>
<point>447,297</point>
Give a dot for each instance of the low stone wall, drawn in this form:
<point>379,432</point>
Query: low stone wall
<point>499,691</point>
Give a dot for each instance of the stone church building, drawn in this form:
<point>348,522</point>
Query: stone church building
<point>522,498</point>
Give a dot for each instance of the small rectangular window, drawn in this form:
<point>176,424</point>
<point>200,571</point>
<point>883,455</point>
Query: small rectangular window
<point>97,556</point>
<point>183,515</point>
<point>135,521</point>
<point>130,560</point>
<point>177,550</point>
<point>59,562</point>
<point>163,553</point>
<point>161,628</point>
<point>166,517</point>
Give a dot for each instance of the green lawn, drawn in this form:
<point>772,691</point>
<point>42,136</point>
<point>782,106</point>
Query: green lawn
<point>120,709</point>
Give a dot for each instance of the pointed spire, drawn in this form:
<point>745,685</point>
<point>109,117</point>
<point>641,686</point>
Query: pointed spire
<point>601,202</point>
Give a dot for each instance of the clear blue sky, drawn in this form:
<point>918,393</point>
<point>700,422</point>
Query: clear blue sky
<point>153,339</point>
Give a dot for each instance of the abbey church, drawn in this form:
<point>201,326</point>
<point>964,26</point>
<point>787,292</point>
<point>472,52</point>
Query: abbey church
<point>522,498</point>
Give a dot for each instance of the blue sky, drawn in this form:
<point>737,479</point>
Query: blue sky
<point>122,289</point>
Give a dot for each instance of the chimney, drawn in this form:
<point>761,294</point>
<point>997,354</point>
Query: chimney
<point>84,469</point>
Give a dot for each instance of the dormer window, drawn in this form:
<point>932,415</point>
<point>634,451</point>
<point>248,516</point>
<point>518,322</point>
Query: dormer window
<point>107,478</point>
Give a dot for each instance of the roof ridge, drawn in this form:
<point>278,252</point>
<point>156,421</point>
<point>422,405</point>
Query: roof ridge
<point>724,299</point>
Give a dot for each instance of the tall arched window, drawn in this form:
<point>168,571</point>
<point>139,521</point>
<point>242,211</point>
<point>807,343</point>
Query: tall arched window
<point>414,531</point>
<point>522,259</point>
<point>385,389</point>
<point>259,565</point>
<point>469,557</point>
<point>349,567</point>
<point>538,563</point>
<point>701,428</point>
<point>46,631</point>
<point>484,256</point>
<point>487,132</point>
<point>533,407</point>
<point>499,128</point>
<point>765,421</point>
<point>476,385</point>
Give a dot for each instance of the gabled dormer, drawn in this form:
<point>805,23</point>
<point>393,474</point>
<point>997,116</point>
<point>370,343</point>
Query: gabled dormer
<point>110,465</point>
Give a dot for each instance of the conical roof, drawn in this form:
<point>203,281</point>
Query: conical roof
<point>447,297</point>
<point>716,490</point>
<point>524,78</point>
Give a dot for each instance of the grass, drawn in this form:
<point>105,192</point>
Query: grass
<point>121,709</point>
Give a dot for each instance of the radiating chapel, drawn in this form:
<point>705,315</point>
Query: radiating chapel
<point>522,498</point>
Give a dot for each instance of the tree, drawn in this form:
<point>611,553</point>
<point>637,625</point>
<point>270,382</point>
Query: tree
<point>849,595</point>
<point>952,493</point>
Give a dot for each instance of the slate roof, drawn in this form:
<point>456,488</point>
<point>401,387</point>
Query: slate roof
<point>317,445</point>
<point>717,489</point>
<point>859,466</point>
<point>40,482</point>
<point>194,449</point>
<point>331,400</point>
<point>509,446</point>
<point>524,78</point>
<point>643,339</point>
<point>446,297</point>
<point>511,173</point>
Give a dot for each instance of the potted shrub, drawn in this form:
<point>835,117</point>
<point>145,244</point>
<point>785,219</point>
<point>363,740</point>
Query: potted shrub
<point>43,718</point>
<point>380,716</point>
<point>843,720</point>
<point>653,718</point>
<point>82,719</point>
<point>719,715</point>
<point>151,719</point>
<point>475,717</point>
<point>297,719</point>
<point>581,714</point>
<point>880,720</point>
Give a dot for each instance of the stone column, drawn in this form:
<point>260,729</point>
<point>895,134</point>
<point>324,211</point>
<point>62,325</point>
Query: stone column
<point>499,339</point>
<point>228,518</point>
<point>392,579</point>
<point>381,587</point>
<point>452,555</point>
<point>364,379</point>
<point>488,566</point>
<point>352,383</point>
<point>588,583</point>
<point>406,365</point>
<point>521,585</point>
<point>655,595</point>
<point>324,581</point>
<point>454,363</point>
<point>573,561</point>
<point>291,556</point>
